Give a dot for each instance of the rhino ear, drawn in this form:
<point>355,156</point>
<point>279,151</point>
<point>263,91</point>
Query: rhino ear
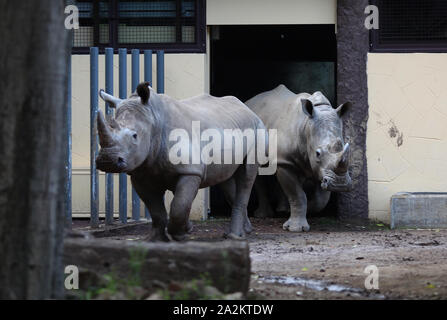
<point>143,91</point>
<point>308,107</point>
<point>341,110</point>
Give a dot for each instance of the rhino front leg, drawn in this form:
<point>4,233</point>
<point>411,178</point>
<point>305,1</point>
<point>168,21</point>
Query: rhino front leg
<point>154,201</point>
<point>297,200</point>
<point>185,192</point>
<point>319,200</point>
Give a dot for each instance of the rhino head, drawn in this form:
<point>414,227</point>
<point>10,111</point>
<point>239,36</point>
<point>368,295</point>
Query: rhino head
<point>125,140</point>
<point>328,154</point>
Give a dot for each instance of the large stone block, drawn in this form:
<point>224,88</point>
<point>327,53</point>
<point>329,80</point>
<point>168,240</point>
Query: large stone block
<point>419,210</point>
<point>226,263</point>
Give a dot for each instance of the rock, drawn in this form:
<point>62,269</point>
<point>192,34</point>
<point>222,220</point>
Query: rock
<point>211,292</point>
<point>234,296</point>
<point>227,264</point>
<point>155,296</point>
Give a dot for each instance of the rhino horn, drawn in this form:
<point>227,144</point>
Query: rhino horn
<point>104,132</point>
<point>113,101</point>
<point>343,163</point>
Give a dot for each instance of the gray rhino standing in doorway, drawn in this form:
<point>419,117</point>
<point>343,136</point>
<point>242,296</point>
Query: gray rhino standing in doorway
<point>311,153</point>
<point>138,142</point>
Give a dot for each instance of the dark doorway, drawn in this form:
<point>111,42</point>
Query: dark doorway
<point>248,60</point>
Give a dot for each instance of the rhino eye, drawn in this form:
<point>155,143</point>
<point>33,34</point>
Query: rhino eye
<point>134,135</point>
<point>318,153</point>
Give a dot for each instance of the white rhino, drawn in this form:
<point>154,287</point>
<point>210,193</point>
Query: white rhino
<point>311,151</point>
<point>138,142</point>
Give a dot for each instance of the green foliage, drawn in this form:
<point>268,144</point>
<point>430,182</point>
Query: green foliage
<point>126,288</point>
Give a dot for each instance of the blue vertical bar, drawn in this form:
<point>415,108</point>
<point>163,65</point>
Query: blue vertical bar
<point>68,165</point>
<point>148,78</point>
<point>94,200</point>
<point>160,71</point>
<point>135,81</point>
<point>123,95</point>
<point>148,66</point>
<point>109,115</point>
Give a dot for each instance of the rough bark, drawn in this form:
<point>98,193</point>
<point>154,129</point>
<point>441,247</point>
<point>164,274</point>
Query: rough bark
<point>34,55</point>
<point>226,263</point>
<point>352,48</point>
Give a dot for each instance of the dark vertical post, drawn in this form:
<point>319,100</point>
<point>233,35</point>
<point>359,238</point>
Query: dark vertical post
<point>352,49</point>
<point>135,81</point>
<point>123,95</point>
<point>160,71</point>
<point>148,78</point>
<point>109,114</point>
<point>94,200</point>
<point>68,164</point>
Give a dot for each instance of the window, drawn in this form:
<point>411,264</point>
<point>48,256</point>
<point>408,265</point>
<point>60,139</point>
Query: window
<point>172,25</point>
<point>410,26</point>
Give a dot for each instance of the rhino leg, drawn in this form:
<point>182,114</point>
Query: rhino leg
<point>185,192</point>
<point>297,199</point>
<point>153,199</point>
<point>244,178</point>
<point>283,204</point>
<point>319,200</point>
<point>264,209</point>
<point>155,204</point>
<point>229,189</point>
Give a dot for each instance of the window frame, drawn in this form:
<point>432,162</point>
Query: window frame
<point>376,47</point>
<point>199,46</point>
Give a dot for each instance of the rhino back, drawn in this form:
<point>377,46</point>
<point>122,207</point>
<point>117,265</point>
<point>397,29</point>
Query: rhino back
<point>280,109</point>
<point>212,113</point>
<point>220,112</point>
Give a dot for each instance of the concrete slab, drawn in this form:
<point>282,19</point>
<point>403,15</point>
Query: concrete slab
<point>419,210</point>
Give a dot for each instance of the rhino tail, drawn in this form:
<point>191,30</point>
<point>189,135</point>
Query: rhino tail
<point>143,92</point>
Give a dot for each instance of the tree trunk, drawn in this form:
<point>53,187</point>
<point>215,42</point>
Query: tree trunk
<point>34,55</point>
<point>352,49</point>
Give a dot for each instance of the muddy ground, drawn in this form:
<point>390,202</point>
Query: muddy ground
<point>329,261</point>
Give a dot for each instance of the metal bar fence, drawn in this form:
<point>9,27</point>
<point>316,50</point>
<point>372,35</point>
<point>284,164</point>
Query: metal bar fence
<point>148,78</point>
<point>94,182</point>
<point>123,95</point>
<point>109,115</point>
<point>94,87</point>
<point>135,81</point>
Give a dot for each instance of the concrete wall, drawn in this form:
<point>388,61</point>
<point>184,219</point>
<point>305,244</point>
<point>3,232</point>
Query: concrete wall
<point>184,77</point>
<point>407,127</point>
<point>219,12</point>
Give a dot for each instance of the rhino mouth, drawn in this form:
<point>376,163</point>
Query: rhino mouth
<point>118,166</point>
<point>338,183</point>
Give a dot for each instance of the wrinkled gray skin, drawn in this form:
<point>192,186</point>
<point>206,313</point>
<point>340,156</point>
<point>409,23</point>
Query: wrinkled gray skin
<point>312,155</point>
<point>137,142</point>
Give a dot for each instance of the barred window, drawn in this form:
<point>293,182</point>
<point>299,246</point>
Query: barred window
<point>410,26</point>
<point>172,25</point>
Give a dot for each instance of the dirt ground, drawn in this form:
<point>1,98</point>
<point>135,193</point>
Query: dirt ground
<point>329,261</point>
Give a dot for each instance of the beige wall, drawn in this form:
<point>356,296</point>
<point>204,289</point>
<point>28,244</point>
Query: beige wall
<point>221,12</point>
<point>184,77</point>
<point>407,127</point>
